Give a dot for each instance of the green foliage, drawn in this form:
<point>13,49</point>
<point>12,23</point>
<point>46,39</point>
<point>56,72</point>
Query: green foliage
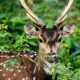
<point>13,63</point>
<point>14,39</point>
<point>17,44</point>
<point>65,72</point>
<point>76,75</point>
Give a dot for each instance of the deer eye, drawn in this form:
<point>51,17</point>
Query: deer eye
<point>59,40</point>
<point>40,40</point>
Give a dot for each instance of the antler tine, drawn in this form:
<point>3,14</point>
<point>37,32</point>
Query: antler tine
<point>63,14</point>
<point>32,16</point>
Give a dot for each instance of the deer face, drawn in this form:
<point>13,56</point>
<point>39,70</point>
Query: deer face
<point>48,37</point>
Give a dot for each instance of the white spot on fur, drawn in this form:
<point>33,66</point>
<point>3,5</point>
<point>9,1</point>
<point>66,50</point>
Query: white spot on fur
<point>2,56</point>
<point>34,78</point>
<point>14,74</point>
<point>11,70</point>
<point>24,67</point>
<point>0,70</point>
<point>1,64</point>
<point>9,78</point>
<point>4,75</point>
<point>12,56</point>
<point>23,79</point>
<point>8,57</point>
<point>25,55</point>
<point>7,68</point>
<point>26,78</point>
<point>19,70</point>
<point>17,66</point>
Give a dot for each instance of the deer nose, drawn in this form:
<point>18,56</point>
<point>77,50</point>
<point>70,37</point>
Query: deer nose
<point>52,57</point>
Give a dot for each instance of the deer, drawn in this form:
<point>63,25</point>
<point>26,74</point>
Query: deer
<point>49,38</point>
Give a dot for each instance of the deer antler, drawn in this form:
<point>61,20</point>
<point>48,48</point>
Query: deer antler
<point>32,16</point>
<point>63,14</point>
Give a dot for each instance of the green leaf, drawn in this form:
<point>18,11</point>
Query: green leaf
<point>11,63</point>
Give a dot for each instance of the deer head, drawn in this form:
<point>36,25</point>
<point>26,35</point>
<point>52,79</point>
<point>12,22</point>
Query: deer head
<point>48,37</point>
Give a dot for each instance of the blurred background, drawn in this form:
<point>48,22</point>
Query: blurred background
<point>13,39</point>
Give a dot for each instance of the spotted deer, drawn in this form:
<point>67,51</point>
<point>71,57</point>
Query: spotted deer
<point>49,38</point>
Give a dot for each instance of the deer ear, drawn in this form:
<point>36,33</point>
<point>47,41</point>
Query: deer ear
<point>68,29</point>
<point>30,30</point>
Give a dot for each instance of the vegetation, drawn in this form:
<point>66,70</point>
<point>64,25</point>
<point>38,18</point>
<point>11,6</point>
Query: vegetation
<point>13,39</point>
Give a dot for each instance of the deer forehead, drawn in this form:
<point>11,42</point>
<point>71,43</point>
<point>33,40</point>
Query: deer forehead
<point>50,34</point>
